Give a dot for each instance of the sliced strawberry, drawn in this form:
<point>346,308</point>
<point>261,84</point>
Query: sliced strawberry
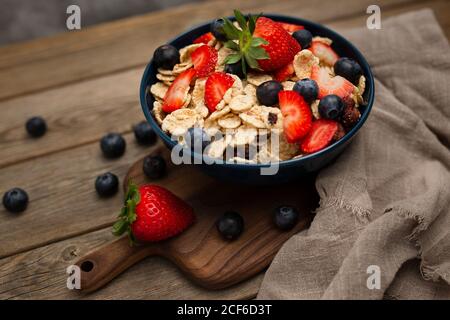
<point>331,85</point>
<point>284,73</point>
<point>204,59</point>
<point>297,116</point>
<point>324,52</point>
<point>204,38</point>
<point>176,94</point>
<point>215,87</point>
<point>321,134</point>
<point>290,27</point>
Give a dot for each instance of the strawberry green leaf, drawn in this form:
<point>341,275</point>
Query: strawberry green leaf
<point>119,227</point>
<point>256,42</point>
<point>232,58</point>
<point>128,212</point>
<point>230,30</point>
<point>252,22</point>
<point>252,62</point>
<point>240,19</point>
<point>232,45</point>
<point>258,53</point>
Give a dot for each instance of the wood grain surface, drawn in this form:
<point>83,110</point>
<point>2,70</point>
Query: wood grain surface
<point>82,84</point>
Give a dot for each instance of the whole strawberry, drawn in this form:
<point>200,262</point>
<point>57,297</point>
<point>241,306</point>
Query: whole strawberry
<point>259,41</point>
<point>152,213</point>
<point>281,46</point>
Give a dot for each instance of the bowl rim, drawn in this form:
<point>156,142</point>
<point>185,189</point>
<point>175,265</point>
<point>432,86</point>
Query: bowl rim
<point>291,162</point>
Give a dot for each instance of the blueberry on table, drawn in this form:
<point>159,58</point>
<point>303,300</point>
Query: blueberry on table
<point>285,217</point>
<point>144,133</point>
<point>303,37</point>
<point>15,200</point>
<point>107,184</point>
<point>36,126</point>
<point>217,30</point>
<point>154,167</point>
<point>197,139</point>
<point>113,145</point>
<point>331,107</point>
<point>349,69</point>
<point>166,57</point>
<point>230,225</point>
<point>267,92</point>
<point>308,89</point>
<point>235,68</point>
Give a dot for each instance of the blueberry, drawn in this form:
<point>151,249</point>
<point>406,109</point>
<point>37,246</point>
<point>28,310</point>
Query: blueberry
<point>217,30</point>
<point>107,184</point>
<point>308,89</point>
<point>285,217</point>
<point>235,68</point>
<point>331,107</point>
<point>113,145</point>
<point>154,167</point>
<point>15,200</point>
<point>166,56</point>
<point>230,225</point>
<point>36,126</point>
<point>303,37</point>
<point>197,138</point>
<point>144,133</point>
<point>267,92</point>
<point>349,69</point>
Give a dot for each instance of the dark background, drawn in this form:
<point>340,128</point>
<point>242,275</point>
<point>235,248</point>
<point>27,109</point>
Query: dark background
<point>27,19</point>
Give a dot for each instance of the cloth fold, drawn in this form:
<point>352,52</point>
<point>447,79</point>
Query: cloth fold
<point>385,202</point>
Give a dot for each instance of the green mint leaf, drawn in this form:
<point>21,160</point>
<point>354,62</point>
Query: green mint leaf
<point>232,58</point>
<point>240,19</point>
<point>232,45</point>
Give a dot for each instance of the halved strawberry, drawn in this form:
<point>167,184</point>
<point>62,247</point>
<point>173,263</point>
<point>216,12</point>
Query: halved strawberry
<point>290,27</point>
<point>176,94</point>
<point>331,85</point>
<point>204,38</point>
<point>284,73</point>
<point>324,52</point>
<point>204,59</point>
<point>297,116</point>
<point>321,134</point>
<point>215,87</point>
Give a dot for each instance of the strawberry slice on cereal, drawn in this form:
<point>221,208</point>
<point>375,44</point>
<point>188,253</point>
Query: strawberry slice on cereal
<point>331,85</point>
<point>215,87</point>
<point>290,27</point>
<point>324,52</point>
<point>204,38</point>
<point>284,73</point>
<point>175,96</point>
<point>321,135</point>
<point>204,59</point>
<point>297,116</point>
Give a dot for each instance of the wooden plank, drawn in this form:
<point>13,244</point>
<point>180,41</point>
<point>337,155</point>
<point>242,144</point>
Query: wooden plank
<point>76,115</point>
<point>40,274</point>
<point>116,46</point>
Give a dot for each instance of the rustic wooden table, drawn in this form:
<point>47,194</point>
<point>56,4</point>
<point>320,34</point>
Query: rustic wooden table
<point>85,84</point>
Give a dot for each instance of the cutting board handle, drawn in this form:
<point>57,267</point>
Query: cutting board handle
<point>101,265</point>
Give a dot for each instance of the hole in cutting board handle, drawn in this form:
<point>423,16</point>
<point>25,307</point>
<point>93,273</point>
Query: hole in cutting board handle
<point>87,266</point>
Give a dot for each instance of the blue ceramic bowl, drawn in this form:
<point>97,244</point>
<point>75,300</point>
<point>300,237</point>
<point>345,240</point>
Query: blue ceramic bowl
<point>289,169</point>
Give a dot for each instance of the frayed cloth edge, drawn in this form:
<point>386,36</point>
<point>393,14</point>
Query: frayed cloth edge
<point>362,214</point>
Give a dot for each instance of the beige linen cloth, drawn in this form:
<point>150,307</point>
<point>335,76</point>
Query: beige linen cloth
<point>386,200</point>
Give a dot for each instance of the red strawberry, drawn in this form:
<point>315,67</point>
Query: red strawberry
<point>284,73</point>
<point>331,85</point>
<point>281,48</point>
<point>290,27</point>
<point>204,38</point>
<point>174,98</point>
<point>152,213</point>
<point>321,134</point>
<point>324,52</point>
<point>297,116</point>
<point>204,59</point>
<point>215,87</point>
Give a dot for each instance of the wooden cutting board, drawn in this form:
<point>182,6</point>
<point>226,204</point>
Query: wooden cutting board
<point>200,252</point>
